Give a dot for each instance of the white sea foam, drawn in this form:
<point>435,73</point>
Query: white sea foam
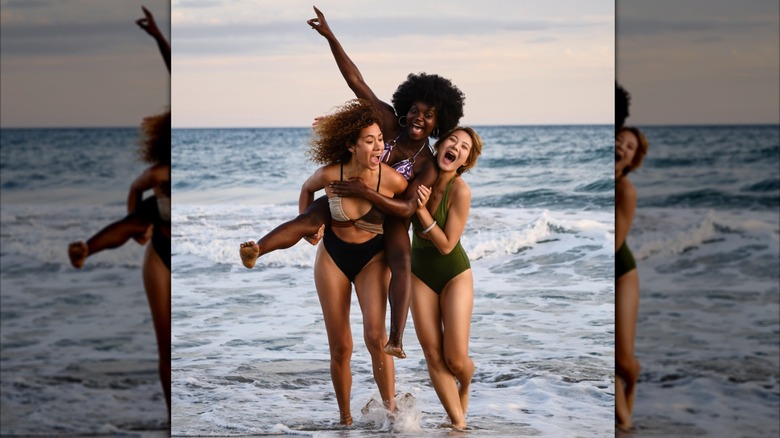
<point>249,341</point>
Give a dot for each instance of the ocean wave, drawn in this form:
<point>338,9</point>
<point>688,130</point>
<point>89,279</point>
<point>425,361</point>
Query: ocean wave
<point>601,185</point>
<point>766,185</point>
<point>549,198</point>
<point>710,198</point>
<point>703,230</point>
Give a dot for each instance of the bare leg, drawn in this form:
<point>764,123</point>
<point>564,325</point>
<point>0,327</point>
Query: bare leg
<point>157,282</point>
<point>371,288</point>
<point>335,291</point>
<point>288,233</point>
<point>428,325</point>
<point>627,367</point>
<point>114,235</point>
<point>456,304</point>
<point>399,259</point>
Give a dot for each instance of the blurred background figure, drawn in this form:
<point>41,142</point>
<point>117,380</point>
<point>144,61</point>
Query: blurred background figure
<point>79,351</point>
<point>704,79</point>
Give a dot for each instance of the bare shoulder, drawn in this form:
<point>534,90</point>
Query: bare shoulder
<point>329,171</point>
<point>392,178</point>
<point>461,189</point>
<point>161,171</point>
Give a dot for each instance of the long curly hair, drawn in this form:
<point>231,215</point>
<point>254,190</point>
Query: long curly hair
<point>155,141</point>
<point>337,131</point>
<point>435,91</point>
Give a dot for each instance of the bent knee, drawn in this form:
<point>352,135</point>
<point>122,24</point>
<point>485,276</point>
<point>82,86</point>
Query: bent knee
<point>433,355</point>
<point>457,363</point>
<point>628,368</point>
<point>308,220</point>
<point>341,351</point>
<point>375,338</point>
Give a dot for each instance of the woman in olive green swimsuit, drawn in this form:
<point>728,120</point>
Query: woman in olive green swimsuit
<point>442,284</point>
<point>630,149</point>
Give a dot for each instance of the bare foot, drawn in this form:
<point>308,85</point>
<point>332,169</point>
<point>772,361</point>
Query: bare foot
<point>625,427</point>
<point>77,252</point>
<point>631,389</point>
<point>345,420</point>
<point>395,349</point>
<point>249,252</point>
<point>622,415</point>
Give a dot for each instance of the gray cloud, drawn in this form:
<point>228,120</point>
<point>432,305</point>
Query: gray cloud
<point>278,36</point>
<point>67,38</point>
<point>26,4</point>
<point>635,27</point>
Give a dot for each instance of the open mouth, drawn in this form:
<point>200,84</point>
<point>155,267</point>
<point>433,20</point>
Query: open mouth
<point>618,157</point>
<point>417,129</point>
<point>450,157</point>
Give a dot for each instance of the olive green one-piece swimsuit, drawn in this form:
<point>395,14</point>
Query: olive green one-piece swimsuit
<point>428,264</point>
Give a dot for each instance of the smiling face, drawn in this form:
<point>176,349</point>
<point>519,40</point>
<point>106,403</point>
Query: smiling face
<point>368,148</point>
<point>454,151</point>
<point>421,120</point>
<point>626,145</point>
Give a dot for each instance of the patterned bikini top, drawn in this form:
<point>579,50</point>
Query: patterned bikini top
<point>371,221</point>
<point>404,167</point>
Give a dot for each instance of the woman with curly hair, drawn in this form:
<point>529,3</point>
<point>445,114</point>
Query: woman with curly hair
<point>349,142</point>
<point>428,105</point>
<point>630,149</point>
<point>152,214</point>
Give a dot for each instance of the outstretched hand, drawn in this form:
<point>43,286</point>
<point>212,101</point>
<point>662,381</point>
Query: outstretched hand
<point>148,24</point>
<point>351,187</point>
<point>320,24</point>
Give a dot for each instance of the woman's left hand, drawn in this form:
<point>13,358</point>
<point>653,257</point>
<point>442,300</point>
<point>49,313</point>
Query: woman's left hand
<point>423,194</point>
<point>352,187</point>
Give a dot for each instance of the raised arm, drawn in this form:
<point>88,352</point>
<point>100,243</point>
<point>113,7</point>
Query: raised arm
<point>625,206</point>
<point>150,26</point>
<point>151,177</point>
<point>349,70</point>
<point>446,239</point>
<point>403,206</point>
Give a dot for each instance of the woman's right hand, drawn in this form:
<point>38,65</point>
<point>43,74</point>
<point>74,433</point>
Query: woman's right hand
<point>423,194</point>
<point>320,24</point>
<point>148,24</point>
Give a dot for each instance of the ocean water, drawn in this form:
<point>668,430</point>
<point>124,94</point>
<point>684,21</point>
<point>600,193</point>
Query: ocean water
<point>706,240</point>
<point>77,347</point>
<point>249,347</point>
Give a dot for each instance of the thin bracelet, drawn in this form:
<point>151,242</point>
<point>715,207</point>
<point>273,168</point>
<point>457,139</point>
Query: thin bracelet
<point>430,227</point>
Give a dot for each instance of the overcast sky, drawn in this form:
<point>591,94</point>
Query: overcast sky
<point>257,63</point>
<point>700,61</point>
<point>80,63</point>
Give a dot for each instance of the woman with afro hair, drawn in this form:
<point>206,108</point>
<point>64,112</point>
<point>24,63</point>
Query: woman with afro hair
<point>423,106</point>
